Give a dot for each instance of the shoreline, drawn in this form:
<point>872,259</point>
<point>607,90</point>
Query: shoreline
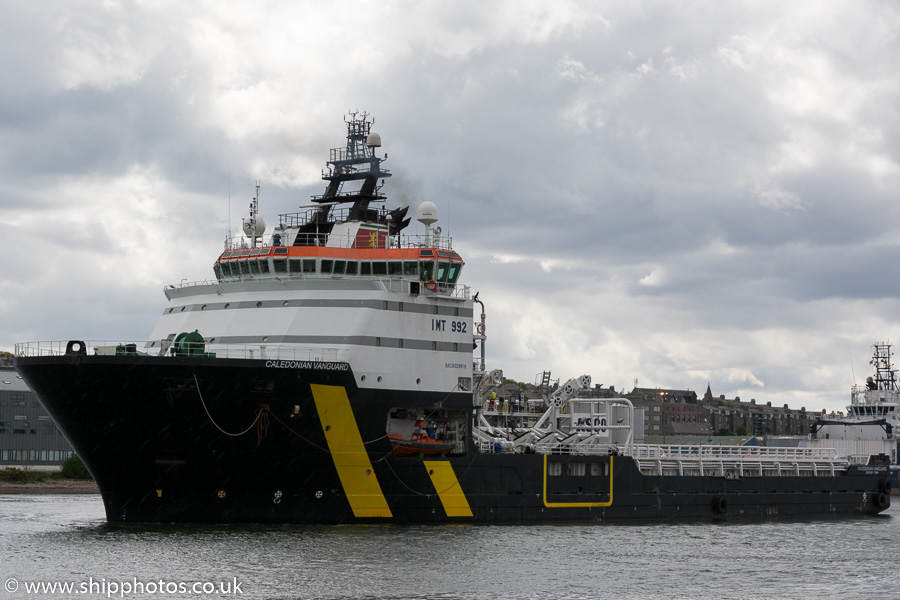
<point>50,486</point>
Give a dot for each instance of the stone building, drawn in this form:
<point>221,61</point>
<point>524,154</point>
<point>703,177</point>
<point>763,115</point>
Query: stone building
<point>757,419</point>
<point>668,407</point>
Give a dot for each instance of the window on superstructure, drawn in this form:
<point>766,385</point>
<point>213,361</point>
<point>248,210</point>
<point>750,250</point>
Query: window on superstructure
<point>280,265</point>
<point>410,268</point>
<point>454,272</point>
<point>296,265</point>
<point>443,271</point>
<point>379,268</point>
<point>427,269</point>
<point>395,268</point>
<point>254,266</point>
<point>264,266</point>
<point>365,268</point>
<point>309,265</point>
<point>326,266</point>
<point>352,267</point>
<point>245,269</point>
<point>339,266</point>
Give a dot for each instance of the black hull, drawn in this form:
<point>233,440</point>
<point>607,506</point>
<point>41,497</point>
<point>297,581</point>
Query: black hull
<point>154,432</point>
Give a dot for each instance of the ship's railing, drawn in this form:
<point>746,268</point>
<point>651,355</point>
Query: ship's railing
<point>334,240</point>
<point>276,352</point>
<point>394,284</point>
<point>663,451</point>
<point>738,461</point>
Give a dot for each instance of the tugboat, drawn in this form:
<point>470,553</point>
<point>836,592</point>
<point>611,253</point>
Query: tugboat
<point>326,375</point>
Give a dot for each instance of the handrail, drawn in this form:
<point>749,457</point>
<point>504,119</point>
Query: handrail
<point>276,352</point>
<point>663,451</point>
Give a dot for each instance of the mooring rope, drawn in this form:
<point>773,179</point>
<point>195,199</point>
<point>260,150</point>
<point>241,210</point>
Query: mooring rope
<point>213,421</point>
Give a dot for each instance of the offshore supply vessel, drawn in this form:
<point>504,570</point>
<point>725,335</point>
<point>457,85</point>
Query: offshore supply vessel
<point>327,375</point>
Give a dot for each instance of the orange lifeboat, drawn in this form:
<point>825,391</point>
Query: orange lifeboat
<point>420,443</point>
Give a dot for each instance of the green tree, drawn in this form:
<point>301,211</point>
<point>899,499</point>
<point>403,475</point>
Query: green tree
<point>725,431</point>
<point>741,430</point>
<point>73,468</point>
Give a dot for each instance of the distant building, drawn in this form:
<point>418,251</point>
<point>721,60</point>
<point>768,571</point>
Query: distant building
<point>28,437</point>
<point>670,411</point>
<point>757,419</point>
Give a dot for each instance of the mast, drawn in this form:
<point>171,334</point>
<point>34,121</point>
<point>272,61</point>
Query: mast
<point>885,374</point>
<point>354,162</point>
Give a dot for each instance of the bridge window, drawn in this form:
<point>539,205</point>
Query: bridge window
<point>280,265</point>
<point>379,268</point>
<point>309,265</point>
<point>326,266</point>
<point>395,268</point>
<point>339,266</point>
<point>455,269</point>
<point>296,265</point>
<point>352,266</point>
<point>245,270</point>
<point>427,269</point>
<point>410,268</point>
<point>254,266</point>
<point>264,266</point>
<point>365,268</point>
<point>443,271</point>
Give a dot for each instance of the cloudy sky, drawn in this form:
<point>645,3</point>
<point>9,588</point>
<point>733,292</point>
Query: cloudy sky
<point>677,193</point>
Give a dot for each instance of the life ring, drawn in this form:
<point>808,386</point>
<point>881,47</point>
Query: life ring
<point>882,500</point>
<point>720,505</point>
<point>431,285</point>
<point>480,328</point>
<point>884,486</point>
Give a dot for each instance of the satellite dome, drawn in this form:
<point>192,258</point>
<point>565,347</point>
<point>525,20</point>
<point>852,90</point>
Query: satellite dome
<point>427,213</point>
<point>249,229</point>
<point>373,140</point>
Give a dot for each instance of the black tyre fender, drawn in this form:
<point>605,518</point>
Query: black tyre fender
<point>720,505</point>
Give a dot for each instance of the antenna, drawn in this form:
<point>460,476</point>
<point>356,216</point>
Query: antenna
<point>852,372</point>
<point>228,223</point>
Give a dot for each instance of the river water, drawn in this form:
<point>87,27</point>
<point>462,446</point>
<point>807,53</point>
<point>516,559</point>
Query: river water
<point>64,540</point>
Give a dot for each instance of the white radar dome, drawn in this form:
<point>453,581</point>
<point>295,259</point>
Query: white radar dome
<point>373,140</point>
<point>427,213</point>
<point>250,230</point>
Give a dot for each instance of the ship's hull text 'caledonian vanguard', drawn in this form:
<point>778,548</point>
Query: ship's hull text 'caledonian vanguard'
<point>326,375</point>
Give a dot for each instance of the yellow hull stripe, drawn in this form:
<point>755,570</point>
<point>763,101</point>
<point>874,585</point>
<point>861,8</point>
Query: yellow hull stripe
<point>350,457</point>
<point>447,486</point>
<point>579,504</point>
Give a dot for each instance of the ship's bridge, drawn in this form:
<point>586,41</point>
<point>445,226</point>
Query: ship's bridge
<point>435,268</point>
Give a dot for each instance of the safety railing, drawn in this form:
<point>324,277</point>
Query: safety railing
<point>277,352</point>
